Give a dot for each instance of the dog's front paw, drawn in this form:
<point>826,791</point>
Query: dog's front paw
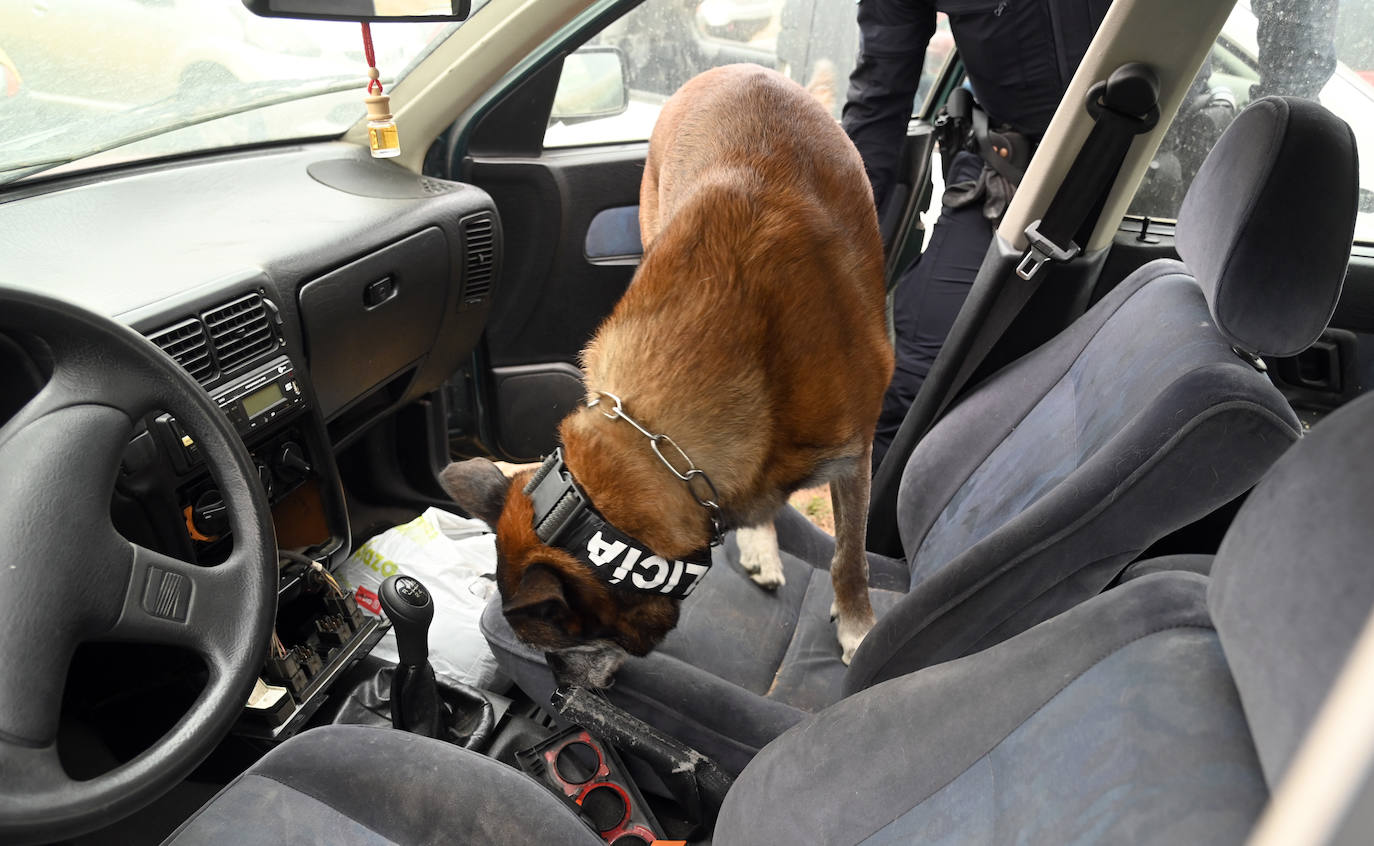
<point>758,555</point>
<point>769,581</point>
<point>764,570</point>
<point>851,633</point>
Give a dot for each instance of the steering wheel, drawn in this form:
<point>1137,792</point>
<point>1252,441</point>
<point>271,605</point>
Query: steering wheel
<point>67,576</point>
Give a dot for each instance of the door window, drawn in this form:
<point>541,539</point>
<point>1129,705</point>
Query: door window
<point>1231,79</point>
<point>667,42</point>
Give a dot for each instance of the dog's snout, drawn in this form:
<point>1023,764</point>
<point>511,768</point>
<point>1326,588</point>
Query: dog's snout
<point>590,665</point>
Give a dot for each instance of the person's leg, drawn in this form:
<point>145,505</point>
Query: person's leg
<point>928,298</point>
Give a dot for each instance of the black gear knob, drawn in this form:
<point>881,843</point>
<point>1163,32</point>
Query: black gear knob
<point>410,609</point>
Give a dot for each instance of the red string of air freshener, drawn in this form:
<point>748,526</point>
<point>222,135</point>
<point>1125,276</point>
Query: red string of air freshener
<point>371,59</point>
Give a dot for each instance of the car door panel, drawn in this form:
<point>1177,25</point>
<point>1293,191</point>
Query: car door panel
<point>1340,365</point>
<point>571,251</point>
<point>613,235</point>
<point>530,400</point>
<point>900,219</point>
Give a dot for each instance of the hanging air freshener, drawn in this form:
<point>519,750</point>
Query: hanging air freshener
<point>382,136</point>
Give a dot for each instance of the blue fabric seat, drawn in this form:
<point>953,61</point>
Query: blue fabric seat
<point>1164,711</point>
<point>1046,481</point>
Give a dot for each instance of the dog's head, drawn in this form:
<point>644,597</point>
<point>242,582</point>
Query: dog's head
<point>551,600</point>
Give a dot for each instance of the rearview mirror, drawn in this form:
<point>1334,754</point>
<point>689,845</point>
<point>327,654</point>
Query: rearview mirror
<point>362,10</point>
<point>591,86</point>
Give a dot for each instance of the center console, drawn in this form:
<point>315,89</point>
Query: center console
<point>166,499</point>
<point>306,390</point>
<point>270,410</point>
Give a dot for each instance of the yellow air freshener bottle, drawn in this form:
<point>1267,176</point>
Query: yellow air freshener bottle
<point>382,136</point>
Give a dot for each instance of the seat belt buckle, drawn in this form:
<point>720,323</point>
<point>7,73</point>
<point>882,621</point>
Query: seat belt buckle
<point>1041,250</point>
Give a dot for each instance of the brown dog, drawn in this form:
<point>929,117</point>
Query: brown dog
<point>752,340</point>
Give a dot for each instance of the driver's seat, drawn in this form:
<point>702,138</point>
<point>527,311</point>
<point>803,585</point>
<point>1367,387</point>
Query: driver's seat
<point>1163,711</point>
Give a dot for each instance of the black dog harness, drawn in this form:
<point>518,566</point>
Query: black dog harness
<point>564,517</point>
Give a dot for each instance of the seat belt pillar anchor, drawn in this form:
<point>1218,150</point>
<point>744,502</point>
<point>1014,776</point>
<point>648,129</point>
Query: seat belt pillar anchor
<point>1042,250</point>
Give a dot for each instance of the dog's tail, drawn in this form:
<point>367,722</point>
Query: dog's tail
<point>822,84</point>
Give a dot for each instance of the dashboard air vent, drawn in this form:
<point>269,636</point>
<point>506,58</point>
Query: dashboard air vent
<point>185,343</point>
<point>239,331</point>
<point>479,243</point>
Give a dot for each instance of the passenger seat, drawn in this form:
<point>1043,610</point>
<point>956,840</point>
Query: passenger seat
<point>1035,491</point>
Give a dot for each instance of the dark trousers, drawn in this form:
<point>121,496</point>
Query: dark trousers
<point>928,297</point>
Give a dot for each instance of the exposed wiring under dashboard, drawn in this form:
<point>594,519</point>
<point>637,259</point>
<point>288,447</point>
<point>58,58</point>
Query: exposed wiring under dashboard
<point>317,575</point>
<point>319,631</point>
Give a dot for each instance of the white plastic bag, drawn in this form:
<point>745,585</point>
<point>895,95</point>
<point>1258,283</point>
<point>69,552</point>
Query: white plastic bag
<point>455,558</point>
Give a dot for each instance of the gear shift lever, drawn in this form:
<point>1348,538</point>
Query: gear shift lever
<point>409,608</point>
<point>415,704</point>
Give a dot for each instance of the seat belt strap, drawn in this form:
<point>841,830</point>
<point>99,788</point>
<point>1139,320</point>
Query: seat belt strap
<point>1123,106</point>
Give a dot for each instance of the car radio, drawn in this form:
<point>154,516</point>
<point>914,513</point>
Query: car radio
<point>284,451</point>
<point>257,399</point>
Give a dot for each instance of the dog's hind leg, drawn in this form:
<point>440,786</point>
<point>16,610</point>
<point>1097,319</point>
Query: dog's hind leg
<point>758,555</point>
<point>849,568</point>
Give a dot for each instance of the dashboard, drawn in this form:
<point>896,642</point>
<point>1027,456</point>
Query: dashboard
<point>311,291</point>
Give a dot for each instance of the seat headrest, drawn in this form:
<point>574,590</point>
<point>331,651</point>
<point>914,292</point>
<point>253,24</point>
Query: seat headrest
<point>1293,582</point>
<point>1267,224</point>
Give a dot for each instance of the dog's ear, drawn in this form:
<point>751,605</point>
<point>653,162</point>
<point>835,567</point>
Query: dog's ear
<point>540,595</point>
<point>478,486</point>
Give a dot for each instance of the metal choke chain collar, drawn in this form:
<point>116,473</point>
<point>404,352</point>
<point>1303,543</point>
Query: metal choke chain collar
<point>699,485</point>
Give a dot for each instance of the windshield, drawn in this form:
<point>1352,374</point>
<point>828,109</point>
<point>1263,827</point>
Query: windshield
<point>85,83</point>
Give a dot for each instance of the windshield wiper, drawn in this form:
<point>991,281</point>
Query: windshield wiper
<point>140,115</point>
